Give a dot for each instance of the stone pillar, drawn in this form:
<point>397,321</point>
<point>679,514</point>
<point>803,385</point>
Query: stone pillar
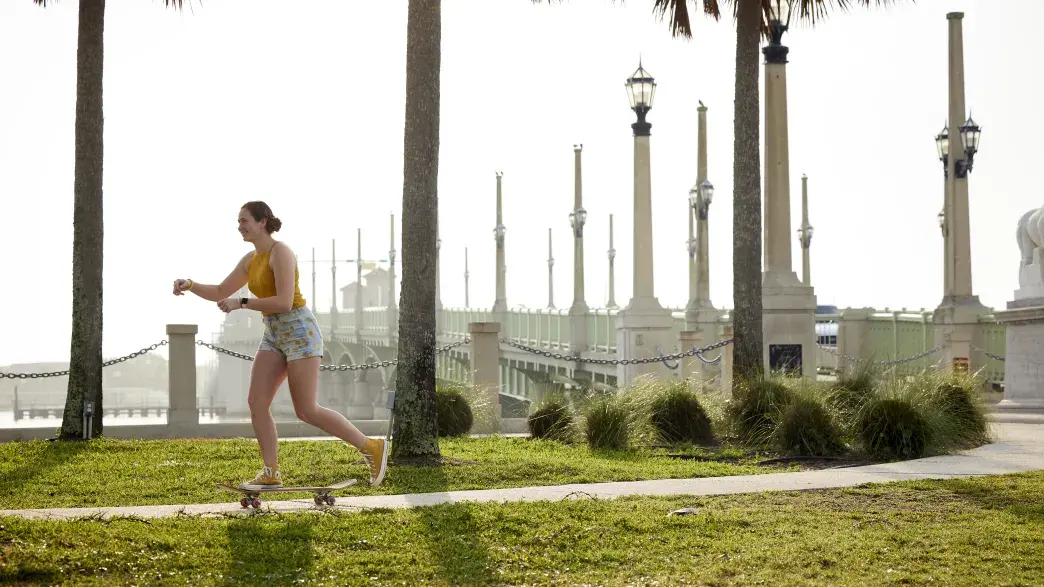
<point>485,363</point>
<point>333,288</point>
<point>788,305</point>
<point>853,334</point>
<point>467,278</point>
<point>393,310</point>
<point>611,304</point>
<point>962,281</point>
<point>500,303</point>
<point>438,281</point>
<point>806,235</point>
<point>644,325</point>
<point>550,273</point>
<point>1024,346</point>
<point>358,287</point>
<point>578,342</point>
<point>182,414</point>
<point>727,360</point>
<point>957,317</point>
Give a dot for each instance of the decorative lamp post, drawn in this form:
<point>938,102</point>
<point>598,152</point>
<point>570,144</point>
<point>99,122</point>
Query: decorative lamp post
<point>577,219</point>
<point>805,234</point>
<point>701,197</point>
<point>641,91</point>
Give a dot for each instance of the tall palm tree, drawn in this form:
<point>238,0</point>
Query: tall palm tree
<point>416,427</point>
<point>751,26</point>
<point>85,354</point>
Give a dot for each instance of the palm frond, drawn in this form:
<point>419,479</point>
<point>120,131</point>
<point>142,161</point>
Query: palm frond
<point>811,11</point>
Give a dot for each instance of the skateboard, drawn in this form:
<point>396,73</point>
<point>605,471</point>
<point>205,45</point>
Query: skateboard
<point>252,497</point>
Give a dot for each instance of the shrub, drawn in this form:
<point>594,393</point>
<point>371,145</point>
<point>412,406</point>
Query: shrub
<point>806,427</point>
<point>551,420</point>
<point>754,406</point>
<point>893,428</point>
<point>677,415</point>
<point>851,392</point>
<point>454,414</point>
<point>607,422</point>
<point>960,416</point>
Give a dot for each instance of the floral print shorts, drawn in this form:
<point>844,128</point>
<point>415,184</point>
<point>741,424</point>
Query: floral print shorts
<point>294,334</point>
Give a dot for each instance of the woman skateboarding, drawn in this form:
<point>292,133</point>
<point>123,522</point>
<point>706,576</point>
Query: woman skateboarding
<point>291,347</point>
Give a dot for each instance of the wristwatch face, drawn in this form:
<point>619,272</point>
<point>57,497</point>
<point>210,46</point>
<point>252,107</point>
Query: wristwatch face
<point>243,301</point>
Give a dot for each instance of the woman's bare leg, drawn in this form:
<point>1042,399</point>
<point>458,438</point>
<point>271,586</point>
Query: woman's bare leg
<point>303,375</point>
<point>266,375</point>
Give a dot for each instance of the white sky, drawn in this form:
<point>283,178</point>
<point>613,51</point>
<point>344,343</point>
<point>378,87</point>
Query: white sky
<point>301,104</point>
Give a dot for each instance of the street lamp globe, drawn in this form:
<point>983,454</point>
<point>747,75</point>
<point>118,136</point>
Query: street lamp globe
<point>641,89</point>
<point>942,143</point>
<point>942,221</point>
<point>809,229</point>
<point>694,197</point>
<point>498,232</point>
<point>577,219</point>
<point>779,19</point>
<point>970,137</point>
<point>707,191</point>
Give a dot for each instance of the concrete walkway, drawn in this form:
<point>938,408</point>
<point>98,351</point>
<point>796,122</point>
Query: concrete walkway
<point>1019,448</point>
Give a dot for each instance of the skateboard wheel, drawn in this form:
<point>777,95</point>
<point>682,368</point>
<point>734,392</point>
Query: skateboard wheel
<point>245,502</point>
<point>318,500</point>
<point>329,500</point>
<point>257,503</point>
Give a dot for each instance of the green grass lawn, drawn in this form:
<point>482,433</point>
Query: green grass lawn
<point>984,531</point>
<point>109,472</point>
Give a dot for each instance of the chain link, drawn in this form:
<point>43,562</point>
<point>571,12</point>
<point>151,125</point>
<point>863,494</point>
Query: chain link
<point>65,372</point>
<point>988,353</point>
<point>883,363</point>
<point>231,353</point>
<point>362,367</point>
<point>697,352</point>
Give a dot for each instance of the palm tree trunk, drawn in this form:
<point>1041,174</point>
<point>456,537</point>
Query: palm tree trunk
<point>85,356</point>
<point>746,176</point>
<point>416,427</point>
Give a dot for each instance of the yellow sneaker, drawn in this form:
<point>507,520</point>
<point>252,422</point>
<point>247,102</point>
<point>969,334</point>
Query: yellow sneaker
<point>265,479</point>
<point>376,454</point>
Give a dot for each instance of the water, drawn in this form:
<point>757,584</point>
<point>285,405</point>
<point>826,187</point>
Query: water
<point>7,420</point>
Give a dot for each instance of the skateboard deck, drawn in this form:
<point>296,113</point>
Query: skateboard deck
<point>251,497</point>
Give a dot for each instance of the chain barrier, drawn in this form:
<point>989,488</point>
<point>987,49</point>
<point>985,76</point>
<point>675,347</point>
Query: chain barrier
<point>362,367</point>
<point>228,352</point>
<point>65,372</point>
<point>892,363</point>
<point>988,353</point>
<point>697,352</point>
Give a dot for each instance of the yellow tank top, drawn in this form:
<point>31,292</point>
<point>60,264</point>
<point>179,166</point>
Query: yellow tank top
<point>262,280</point>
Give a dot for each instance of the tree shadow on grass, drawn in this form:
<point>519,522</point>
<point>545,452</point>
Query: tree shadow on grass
<point>269,550</point>
<point>453,536</point>
<point>56,454</point>
<point>1014,498</point>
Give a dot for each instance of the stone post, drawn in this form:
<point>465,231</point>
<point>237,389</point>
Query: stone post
<point>438,281</point>
<point>393,310</point>
<point>726,360</point>
<point>853,334</point>
<point>788,305</point>
<point>806,235</point>
<point>485,365</point>
<point>358,287</point>
<point>500,303</point>
<point>957,318</point>
<point>467,278</point>
<point>550,273</point>
<point>182,414</point>
<point>578,342</point>
<point>644,325</point>
<point>333,288</point>
<point>611,304</point>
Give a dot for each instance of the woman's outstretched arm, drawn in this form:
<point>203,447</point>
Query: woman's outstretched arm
<point>215,293</point>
